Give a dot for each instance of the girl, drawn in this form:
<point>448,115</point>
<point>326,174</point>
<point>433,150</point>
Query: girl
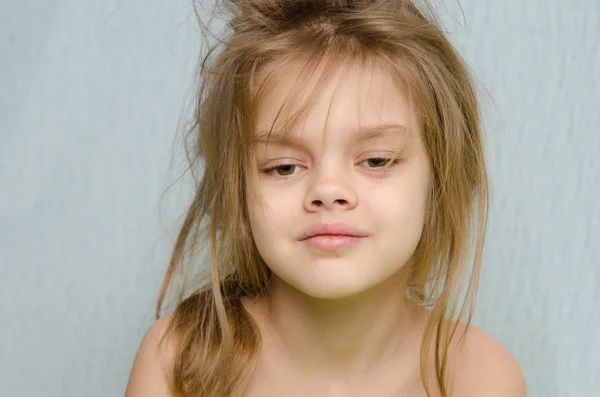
<point>343,185</point>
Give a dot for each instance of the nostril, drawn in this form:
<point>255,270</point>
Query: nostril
<point>319,203</point>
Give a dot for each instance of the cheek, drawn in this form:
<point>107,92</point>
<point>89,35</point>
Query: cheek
<point>400,208</point>
<point>259,228</point>
<point>271,232</point>
<point>268,214</point>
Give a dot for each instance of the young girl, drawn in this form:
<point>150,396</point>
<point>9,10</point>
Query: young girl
<point>343,205</point>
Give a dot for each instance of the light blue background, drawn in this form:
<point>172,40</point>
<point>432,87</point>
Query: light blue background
<point>91,97</point>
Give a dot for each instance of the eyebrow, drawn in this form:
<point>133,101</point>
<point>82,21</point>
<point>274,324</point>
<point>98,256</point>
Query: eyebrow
<point>366,133</point>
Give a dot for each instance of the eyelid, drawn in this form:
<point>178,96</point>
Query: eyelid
<point>390,162</point>
<point>393,158</point>
<point>271,167</point>
<point>279,163</point>
<point>382,154</point>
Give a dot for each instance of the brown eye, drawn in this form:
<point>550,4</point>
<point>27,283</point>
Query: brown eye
<point>285,170</point>
<point>282,170</point>
<point>378,162</point>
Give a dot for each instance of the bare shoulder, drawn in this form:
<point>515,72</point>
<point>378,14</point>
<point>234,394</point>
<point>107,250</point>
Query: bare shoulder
<point>148,377</point>
<point>484,368</point>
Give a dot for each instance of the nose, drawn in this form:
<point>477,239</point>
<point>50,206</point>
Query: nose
<point>332,191</point>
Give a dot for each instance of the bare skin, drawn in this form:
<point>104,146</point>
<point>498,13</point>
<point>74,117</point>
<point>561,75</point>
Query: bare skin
<point>480,367</point>
<point>374,368</point>
<point>477,367</point>
<point>337,323</point>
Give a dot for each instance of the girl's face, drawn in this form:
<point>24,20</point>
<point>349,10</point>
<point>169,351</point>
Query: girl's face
<point>328,178</point>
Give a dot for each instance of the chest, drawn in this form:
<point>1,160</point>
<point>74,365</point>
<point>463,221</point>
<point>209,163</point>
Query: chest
<point>283,380</point>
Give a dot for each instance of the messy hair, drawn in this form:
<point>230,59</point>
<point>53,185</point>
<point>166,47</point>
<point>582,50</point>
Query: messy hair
<point>215,341</point>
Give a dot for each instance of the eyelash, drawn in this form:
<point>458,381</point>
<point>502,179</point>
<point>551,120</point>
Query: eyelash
<point>389,162</point>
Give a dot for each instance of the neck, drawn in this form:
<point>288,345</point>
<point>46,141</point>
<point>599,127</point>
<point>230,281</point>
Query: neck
<point>343,337</point>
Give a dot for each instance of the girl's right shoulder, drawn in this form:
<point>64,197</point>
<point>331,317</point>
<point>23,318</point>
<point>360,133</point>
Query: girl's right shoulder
<point>148,377</point>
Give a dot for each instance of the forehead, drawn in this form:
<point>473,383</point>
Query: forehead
<point>340,97</point>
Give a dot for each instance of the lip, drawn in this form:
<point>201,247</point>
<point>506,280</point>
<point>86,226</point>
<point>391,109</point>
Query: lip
<point>332,236</point>
<point>331,242</point>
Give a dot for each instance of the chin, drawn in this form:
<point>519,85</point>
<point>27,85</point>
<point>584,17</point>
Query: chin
<point>332,283</point>
<point>332,291</point>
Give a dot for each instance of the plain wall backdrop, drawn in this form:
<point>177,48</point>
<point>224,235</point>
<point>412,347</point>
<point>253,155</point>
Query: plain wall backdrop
<point>92,94</point>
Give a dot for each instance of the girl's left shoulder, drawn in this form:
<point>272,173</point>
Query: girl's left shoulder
<point>482,367</point>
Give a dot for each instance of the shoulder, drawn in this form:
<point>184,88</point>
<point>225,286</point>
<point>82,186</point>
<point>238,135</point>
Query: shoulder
<point>148,375</point>
<point>482,367</point>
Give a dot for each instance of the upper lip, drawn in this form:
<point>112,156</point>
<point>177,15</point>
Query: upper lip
<point>323,229</point>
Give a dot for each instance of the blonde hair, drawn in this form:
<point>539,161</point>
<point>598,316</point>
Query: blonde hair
<point>215,340</point>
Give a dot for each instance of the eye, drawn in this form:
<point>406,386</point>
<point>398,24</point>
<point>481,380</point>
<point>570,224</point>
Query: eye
<point>281,170</point>
<point>379,162</point>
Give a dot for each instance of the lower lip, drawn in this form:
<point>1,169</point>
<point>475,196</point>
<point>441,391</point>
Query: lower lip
<point>332,242</point>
